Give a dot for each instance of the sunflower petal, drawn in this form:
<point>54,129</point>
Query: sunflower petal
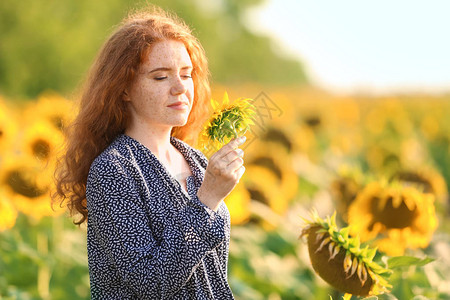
<point>362,273</point>
<point>214,104</point>
<point>331,248</point>
<point>347,262</point>
<point>324,242</point>
<point>337,248</point>
<point>226,100</point>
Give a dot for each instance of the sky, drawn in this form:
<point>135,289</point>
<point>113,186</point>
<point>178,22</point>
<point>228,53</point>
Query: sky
<point>378,46</point>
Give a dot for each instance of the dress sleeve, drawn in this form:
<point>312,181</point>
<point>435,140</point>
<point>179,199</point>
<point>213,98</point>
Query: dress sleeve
<point>120,223</point>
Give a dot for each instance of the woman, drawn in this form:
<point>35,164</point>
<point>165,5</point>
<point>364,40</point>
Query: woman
<point>157,227</point>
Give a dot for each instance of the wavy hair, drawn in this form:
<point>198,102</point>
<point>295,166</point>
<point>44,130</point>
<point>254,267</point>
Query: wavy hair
<point>102,112</point>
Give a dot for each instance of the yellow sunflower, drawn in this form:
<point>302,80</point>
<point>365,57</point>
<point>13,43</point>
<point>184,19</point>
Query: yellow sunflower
<point>426,179</point>
<point>53,108</point>
<point>42,141</point>
<point>21,180</point>
<point>8,214</point>
<point>279,137</point>
<point>400,217</point>
<point>264,187</point>
<point>259,182</point>
<point>228,121</point>
<point>340,260</point>
<point>274,156</point>
<point>269,169</point>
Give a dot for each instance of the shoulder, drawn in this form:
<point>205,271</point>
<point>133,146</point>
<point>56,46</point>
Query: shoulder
<point>112,173</point>
<point>113,159</point>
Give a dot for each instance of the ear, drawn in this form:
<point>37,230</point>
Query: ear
<point>125,96</point>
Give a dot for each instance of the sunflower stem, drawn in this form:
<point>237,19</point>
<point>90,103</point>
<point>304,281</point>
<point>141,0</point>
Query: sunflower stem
<point>43,280</point>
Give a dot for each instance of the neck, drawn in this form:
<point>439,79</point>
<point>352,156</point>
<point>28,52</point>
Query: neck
<point>155,139</point>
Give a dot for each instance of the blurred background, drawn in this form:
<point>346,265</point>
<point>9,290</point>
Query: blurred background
<point>351,100</point>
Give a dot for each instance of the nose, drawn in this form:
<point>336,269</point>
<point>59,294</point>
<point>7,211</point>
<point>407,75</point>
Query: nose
<point>178,86</point>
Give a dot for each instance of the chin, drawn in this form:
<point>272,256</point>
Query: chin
<point>179,123</point>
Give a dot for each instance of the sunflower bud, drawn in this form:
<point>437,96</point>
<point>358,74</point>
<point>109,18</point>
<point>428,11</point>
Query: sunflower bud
<point>340,261</point>
<point>228,121</point>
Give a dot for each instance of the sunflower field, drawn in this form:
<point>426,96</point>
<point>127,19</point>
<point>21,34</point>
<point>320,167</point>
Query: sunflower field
<point>342,198</point>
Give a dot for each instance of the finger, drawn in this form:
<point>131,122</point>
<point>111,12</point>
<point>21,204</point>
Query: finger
<point>235,165</point>
<point>232,155</point>
<point>240,172</point>
<point>233,144</point>
<point>224,166</point>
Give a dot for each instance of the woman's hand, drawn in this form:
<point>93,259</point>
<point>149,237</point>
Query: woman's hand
<point>224,170</point>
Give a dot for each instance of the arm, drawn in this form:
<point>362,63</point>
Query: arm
<point>119,220</point>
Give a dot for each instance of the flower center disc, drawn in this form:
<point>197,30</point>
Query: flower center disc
<point>20,185</point>
<point>392,217</point>
<point>41,149</point>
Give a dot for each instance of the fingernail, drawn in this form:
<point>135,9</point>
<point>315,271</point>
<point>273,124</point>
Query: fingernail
<point>242,139</point>
<point>240,152</point>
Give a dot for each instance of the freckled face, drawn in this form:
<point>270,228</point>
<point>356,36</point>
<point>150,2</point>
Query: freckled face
<point>163,90</point>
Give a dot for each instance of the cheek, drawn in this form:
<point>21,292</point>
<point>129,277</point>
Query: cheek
<point>145,95</point>
<point>190,89</point>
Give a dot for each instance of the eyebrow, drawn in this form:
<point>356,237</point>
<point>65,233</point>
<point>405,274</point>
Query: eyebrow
<point>169,69</point>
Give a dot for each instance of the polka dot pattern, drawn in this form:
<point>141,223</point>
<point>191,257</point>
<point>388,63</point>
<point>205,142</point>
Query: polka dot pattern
<point>148,238</point>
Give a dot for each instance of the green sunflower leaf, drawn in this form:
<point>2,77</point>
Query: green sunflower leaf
<point>344,232</point>
<point>403,261</point>
<point>371,253</point>
<point>382,297</point>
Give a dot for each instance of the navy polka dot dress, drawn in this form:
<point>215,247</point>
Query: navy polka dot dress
<point>147,238</point>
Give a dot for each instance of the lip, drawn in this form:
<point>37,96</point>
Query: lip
<point>179,105</point>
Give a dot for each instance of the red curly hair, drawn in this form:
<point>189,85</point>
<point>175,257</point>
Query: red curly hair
<point>103,114</point>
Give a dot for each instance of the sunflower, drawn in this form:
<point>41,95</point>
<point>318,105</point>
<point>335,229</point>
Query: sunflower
<point>286,184</point>
<point>426,179</point>
<point>228,121</point>
<point>340,260</point>
<point>274,156</point>
<point>265,187</point>
<point>53,108</point>
<point>8,214</point>
<point>21,180</point>
<point>42,141</point>
<point>259,182</point>
<point>278,136</point>
<point>400,217</point>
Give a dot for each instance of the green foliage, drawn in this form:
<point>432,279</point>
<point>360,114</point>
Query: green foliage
<point>23,262</point>
<point>382,297</point>
<point>404,261</point>
<point>50,44</point>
